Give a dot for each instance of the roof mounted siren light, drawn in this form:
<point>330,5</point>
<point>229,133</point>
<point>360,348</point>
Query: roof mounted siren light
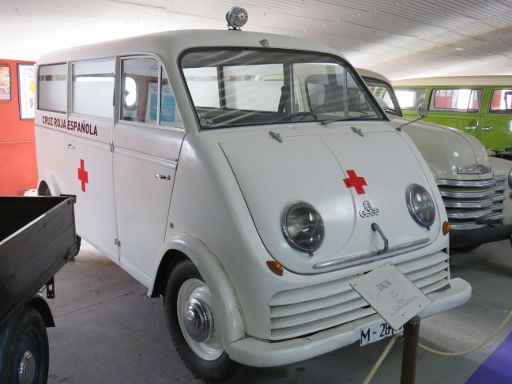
<point>236,18</point>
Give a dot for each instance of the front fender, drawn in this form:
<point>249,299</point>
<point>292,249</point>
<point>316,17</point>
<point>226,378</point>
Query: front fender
<point>227,313</point>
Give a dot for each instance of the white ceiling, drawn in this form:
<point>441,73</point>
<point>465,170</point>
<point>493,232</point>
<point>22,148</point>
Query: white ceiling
<point>399,38</point>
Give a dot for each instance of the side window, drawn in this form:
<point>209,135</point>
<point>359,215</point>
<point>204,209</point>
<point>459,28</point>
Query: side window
<point>169,114</point>
<point>139,82</point>
<point>408,97</point>
<point>93,88</point>
<point>147,96</point>
<point>501,101</point>
<point>460,100</point>
<point>52,88</point>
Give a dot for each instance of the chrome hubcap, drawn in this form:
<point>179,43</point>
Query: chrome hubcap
<point>26,368</point>
<point>197,319</point>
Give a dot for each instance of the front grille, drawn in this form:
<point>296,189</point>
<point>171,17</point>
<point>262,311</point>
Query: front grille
<point>314,308</point>
<point>472,204</point>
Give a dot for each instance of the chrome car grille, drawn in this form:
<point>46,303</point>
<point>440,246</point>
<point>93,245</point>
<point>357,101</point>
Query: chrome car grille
<point>302,311</point>
<point>472,204</point>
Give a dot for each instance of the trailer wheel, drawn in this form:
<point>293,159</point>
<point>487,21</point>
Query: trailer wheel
<point>27,355</point>
<point>191,325</point>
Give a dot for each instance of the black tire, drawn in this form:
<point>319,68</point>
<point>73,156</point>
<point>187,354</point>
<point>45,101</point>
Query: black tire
<point>464,249</point>
<point>26,335</point>
<point>221,370</point>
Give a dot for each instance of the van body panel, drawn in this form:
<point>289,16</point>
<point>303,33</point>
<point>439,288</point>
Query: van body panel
<point>217,195</point>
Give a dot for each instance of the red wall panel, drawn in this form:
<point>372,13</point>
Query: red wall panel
<point>18,170</point>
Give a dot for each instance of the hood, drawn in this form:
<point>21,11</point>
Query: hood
<point>445,149</point>
<point>312,168</point>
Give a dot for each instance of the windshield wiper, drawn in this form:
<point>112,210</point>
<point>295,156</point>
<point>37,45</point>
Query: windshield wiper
<point>362,117</point>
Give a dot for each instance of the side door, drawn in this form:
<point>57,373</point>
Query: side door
<point>89,128</point>
<point>457,108</point>
<point>496,125</point>
<point>147,142</point>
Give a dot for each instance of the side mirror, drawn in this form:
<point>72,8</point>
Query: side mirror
<point>421,108</point>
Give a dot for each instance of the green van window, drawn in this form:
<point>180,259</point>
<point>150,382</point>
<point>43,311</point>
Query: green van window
<point>458,99</point>
<point>501,101</point>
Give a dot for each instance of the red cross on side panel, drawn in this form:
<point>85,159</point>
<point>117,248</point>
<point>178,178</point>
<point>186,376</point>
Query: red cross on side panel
<point>83,175</point>
<point>355,181</point>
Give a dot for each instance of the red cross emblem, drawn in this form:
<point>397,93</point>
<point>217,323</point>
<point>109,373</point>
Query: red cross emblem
<point>83,175</point>
<point>355,181</point>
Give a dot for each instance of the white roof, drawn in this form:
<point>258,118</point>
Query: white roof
<point>456,80</point>
<point>168,45</point>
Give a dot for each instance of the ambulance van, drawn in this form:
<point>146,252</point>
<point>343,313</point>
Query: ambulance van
<point>249,202</point>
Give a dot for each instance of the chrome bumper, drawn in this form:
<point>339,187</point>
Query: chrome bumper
<point>259,353</point>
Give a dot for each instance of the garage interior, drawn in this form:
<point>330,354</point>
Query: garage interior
<point>109,331</point>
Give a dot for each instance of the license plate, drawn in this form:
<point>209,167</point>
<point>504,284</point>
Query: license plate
<point>376,332</point>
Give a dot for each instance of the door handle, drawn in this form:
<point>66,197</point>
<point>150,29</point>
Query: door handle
<point>471,127</point>
<point>486,129</point>
<point>163,177</point>
<point>71,146</point>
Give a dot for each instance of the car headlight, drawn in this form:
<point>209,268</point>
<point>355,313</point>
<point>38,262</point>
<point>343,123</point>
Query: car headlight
<point>303,227</point>
<point>420,205</point>
<point>510,179</point>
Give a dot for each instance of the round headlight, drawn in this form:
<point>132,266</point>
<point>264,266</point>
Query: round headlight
<point>510,179</point>
<point>303,227</point>
<point>420,204</point>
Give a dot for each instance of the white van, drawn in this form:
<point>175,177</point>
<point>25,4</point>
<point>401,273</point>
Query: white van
<point>211,167</point>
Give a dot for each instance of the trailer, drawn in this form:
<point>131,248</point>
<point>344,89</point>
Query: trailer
<point>37,237</point>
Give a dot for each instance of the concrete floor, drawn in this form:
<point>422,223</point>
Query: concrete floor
<point>108,331</point>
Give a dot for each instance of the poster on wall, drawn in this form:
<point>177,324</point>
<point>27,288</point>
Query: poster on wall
<point>27,90</point>
<point>5,82</point>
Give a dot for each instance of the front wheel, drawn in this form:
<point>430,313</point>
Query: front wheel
<point>26,355</point>
<point>190,321</point>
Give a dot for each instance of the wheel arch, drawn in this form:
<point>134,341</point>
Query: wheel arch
<point>40,305</point>
<point>227,309</point>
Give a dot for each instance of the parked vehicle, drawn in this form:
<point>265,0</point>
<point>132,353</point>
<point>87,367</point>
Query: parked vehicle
<point>247,200</point>
<point>37,236</point>
<point>476,188</point>
<point>481,106</point>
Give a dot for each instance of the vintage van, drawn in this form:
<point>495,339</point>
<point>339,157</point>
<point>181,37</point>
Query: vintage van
<point>248,202</point>
<point>478,105</point>
<point>475,187</point>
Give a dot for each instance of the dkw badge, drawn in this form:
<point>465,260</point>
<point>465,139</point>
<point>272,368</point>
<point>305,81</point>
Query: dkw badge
<point>368,211</point>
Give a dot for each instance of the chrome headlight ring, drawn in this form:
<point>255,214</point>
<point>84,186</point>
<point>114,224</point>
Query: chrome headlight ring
<point>509,179</point>
<point>303,227</point>
<point>421,205</point>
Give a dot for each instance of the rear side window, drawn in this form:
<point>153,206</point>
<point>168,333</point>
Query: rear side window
<point>147,96</point>
<point>501,101</point>
<point>93,88</point>
<point>52,88</point>
<point>459,100</point>
<point>408,97</point>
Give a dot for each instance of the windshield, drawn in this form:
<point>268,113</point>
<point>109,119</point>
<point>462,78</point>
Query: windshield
<point>384,95</point>
<point>237,87</point>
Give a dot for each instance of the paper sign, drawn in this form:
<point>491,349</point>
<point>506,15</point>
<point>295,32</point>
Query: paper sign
<point>391,294</point>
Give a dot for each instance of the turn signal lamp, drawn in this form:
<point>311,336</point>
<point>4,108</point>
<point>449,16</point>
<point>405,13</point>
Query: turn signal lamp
<point>275,267</point>
<point>446,228</point>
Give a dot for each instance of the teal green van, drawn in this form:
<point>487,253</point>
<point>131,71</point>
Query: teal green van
<point>478,105</point>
